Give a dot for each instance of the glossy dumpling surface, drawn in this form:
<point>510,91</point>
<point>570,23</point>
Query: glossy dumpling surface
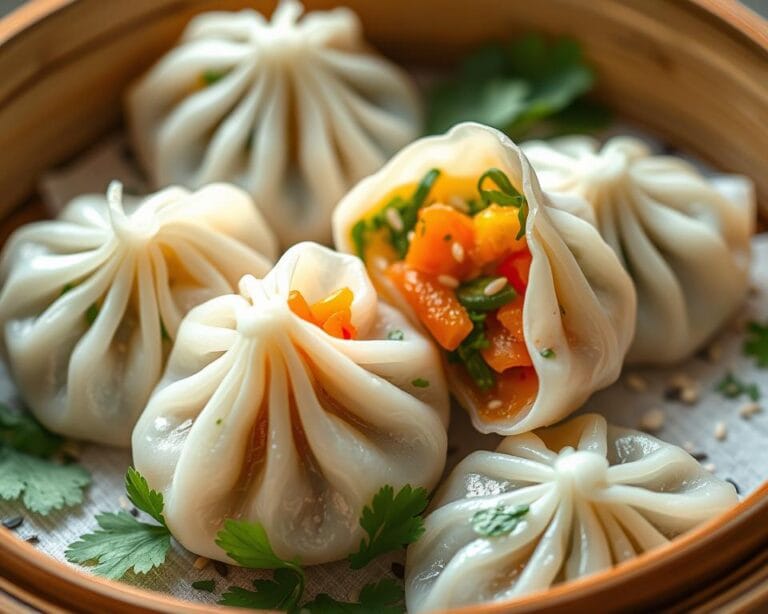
<point>91,301</point>
<point>596,495</point>
<point>286,424</point>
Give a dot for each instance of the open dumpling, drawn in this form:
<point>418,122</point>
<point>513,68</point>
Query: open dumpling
<point>295,110</point>
<point>293,403</point>
<point>532,308</point>
<point>555,505</point>
<point>683,238</point>
<point>91,301</point>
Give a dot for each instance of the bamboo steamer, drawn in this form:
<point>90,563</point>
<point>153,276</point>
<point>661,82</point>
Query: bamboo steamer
<point>694,72</point>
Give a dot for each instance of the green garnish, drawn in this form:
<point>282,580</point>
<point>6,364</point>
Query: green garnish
<point>283,592</point>
<point>732,387</point>
<point>164,332</point>
<point>122,542</point>
<point>523,87</point>
<point>468,353</point>
<point>26,470</point>
<point>547,353</point>
<point>396,335</point>
<point>204,585</point>
<point>472,295</point>
<point>506,195</point>
<point>383,597</point>
<point>420,383</point>
<point>391,522</point>
<point>91,314</point>
<point>756,344</point>
<point>404,212</point>
<point>211,76</point>
<point>497,521</point>
<point>247,544</point>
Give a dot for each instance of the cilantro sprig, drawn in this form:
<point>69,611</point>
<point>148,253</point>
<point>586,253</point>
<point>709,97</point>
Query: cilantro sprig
<point>283,592</point>
<point>392,521</point>
<point>732,387</point>
<point>123,543</point>
<point>383,597</point>
<point>524,87</point>
<point>27,470</point>
<point>756,344</point>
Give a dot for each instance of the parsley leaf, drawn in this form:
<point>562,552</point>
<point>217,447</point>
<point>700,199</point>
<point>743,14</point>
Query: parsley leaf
<point>42,484</point>
<point>20,431</point>
<point>497,521</point>
<point>281,593</point>
<point>204,585</point>
<point>731,387</point>
<point>121,543</point>
<point>391,522</point>
<point>756,344</point>
<point>142,496</point>
<point>519,87</point>
<point>383,597</point>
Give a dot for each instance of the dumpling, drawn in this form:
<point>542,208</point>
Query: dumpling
<point>91,301</point>
<point>295,110</point>
<point>293,402</point>
<point>555,505</point>
<point>683,238</point>
<point>532,308</point>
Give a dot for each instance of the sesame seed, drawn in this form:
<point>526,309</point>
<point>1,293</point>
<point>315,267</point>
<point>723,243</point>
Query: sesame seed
<point>410,235</point>
<point>711,467</point>
<point>653,420</point>
<point>201,562</point>
<point>495,286</point>
<point>457,251</point>
<point>636,383</point>
<point>394,219</point>
<point>380,263</point>
<point>748,410</point>
<point>683,388</point>
<point>448,281</point>
<point>721,431</point>
<point>495,404</point>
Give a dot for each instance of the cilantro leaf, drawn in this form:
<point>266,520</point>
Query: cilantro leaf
<point>247,544</point>
<point>20,431</point>
<point>756,344</point>
<point>43,485</point>
<point>391,522</point>
<point>281,593</point>
<point>383,597</point>
<point>500,520</point>
<point>142,496</point>
<point>121,543</point>
<point>731,387</point>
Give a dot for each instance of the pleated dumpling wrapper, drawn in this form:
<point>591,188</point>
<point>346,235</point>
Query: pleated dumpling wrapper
<point>295,110</point>
<point>683,238</point>
<point>532,308</point>
<point>293,403</point>
<point>555,505</point>
<point>91,301</point>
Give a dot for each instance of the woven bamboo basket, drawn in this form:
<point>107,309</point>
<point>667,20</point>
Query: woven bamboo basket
<point>694,72</point>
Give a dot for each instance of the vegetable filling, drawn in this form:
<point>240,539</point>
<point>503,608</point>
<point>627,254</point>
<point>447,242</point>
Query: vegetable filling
<point>457,253</point>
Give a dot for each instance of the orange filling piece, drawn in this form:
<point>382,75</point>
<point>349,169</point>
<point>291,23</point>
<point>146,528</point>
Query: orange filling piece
<point>333,314</point>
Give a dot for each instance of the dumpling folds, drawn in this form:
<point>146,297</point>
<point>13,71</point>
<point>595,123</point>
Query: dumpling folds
<point>579,304</point>
<point>596,494</point>
<point>92,300</point>
<point>263,416</point>
<point>295,110</point>
<point>683,238</point>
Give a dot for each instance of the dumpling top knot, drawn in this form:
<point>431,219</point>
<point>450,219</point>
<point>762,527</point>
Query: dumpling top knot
<point>136,229</point>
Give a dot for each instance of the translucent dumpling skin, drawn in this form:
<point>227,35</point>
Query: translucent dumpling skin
<point>291,404</point>
<point>585,496</point>
<point>295,110</point>
<point>91,302</point>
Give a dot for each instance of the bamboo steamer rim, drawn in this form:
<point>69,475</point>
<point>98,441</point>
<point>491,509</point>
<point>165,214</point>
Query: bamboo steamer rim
<point>656,578</point>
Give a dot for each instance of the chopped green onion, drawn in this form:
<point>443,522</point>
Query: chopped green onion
<point>395,335</point>
<point>211,76</point>
<point>547,353</point>
<point>420,382</point>
<point>358,238</point>
<point>472,295</point>
<point>91,314</point>
<point>468,353</point>
<point>506,195</point>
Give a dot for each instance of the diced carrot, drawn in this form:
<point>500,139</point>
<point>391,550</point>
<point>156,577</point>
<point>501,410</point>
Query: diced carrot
<point>511,317</point>
<point>298,305</point>
<point>340,325</point>
<point>506,350</point>
<point>495,230</point>
<point>435,305</point>
<point>442,242</point>
<point>514,392</point>
<point>337,301</point>
<point>516,268</point>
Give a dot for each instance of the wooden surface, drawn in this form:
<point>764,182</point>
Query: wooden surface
<point>693,71</point>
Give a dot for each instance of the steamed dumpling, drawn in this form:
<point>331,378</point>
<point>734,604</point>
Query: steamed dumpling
<point>683,238</point>
<point>91,301</point>
<point>532,308</point>
<point>295,110</point>
<point>293,403</point>
<point>555,505</point>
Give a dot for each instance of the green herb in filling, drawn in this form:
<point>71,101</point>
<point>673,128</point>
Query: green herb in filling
<point>468,354</point>
<point>396,335</point>
<point>472,295</point>
<point>498,521</point>
<point>420,382</point>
